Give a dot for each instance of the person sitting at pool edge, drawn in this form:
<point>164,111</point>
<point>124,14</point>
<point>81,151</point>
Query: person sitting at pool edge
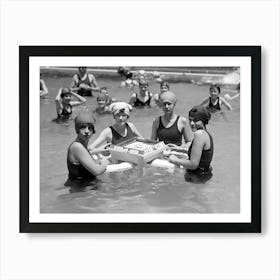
<point>201,151</point>
<point>84,83</point>
<point>143,97</point>
<point>81,165</point>
<point>214,102</point>
<point>64,104</point>
<point>170,127</point>
<point>120,131</point>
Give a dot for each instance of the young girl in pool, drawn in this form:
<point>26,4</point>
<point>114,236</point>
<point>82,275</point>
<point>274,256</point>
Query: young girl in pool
<point>164,86</point>
<point>64,103</point>
<point>200,152</point>
<point>170,127</point>
<point>143,97</point>
<point>121,130</point>
<point>80,163</point>
<point>215,102</point>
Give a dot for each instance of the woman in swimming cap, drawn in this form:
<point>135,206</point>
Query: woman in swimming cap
<point>201,150</point>
<point>143,97</point>
<point>215,102</point>
<point>164,86</point>
<point>80,163</point>
<point>64,103</point>
<point>121,130</point>
<point>170,127</point>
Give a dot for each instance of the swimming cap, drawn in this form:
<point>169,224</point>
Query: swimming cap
<point>200,113</point>
<point>84,118</point>
<point>168,96</point>
<point>65,91</point>
<point>122,107</point>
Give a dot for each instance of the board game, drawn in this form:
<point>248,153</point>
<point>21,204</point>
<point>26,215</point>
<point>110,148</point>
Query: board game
<point>138,151</point>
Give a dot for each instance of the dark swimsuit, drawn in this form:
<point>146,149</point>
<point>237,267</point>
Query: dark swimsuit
<point>213,107</point>
<point>139,103</point>
<point>204,171</point>
<point>171,134</point>
<point>83,91</point>
<point>117,138</point>
<point>77,171</point>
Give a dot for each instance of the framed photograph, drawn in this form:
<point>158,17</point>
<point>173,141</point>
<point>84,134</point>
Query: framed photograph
<point>140,139</point>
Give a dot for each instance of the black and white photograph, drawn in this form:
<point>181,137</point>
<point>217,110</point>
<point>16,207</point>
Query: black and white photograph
<point>141,138</point>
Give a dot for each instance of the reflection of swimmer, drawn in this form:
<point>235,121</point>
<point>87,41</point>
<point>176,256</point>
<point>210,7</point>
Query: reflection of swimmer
<point>82,167</point>
<point>200,153</point>
<point>121,131</point>
<point>164,86</point>
<point>43,88</point>
<point>170,127</point>
<point>228,97</point>
<point>141,98</point>
<point>84,83</point>
<point>64,103</point>
<point>215,102</point>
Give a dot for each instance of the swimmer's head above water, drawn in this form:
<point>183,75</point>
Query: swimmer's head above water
<point>120,107</point>
<point>84,119</point>
<point>214,90</point>
<point>199,114</point>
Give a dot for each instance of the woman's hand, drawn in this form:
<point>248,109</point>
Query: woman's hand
<point>173,159</point>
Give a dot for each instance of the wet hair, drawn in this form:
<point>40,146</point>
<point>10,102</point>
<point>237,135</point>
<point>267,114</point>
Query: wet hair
<point>65,91</point>
<point>200,113</point>
<point>215,86</point>
<point>163,83</point>
<point>82,67</point>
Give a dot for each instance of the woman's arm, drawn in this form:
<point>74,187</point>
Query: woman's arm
<point>155,128</point>
<point>58,102</point>
<point>82,155</point>
<point>105,135</point>
<point>80,100</point>
<point>223,101</point>
<point>44,91</point>
<point>134,129</point>
<point>132,99</point>
<point>93,83</point>
<point>197,148</point>
<point>186,130</point>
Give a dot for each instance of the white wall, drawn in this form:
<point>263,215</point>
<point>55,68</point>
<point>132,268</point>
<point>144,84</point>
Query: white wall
<point>139,256</point>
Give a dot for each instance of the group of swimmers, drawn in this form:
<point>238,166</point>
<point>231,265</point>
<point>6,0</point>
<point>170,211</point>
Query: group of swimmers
<point>188,136</point>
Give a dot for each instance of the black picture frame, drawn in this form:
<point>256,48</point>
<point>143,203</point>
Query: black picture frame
<point>254,52</point>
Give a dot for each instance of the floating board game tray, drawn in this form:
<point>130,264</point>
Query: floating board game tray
<point>138,151</point>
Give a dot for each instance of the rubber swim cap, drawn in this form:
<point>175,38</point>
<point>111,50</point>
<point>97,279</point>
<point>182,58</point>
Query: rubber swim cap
<point>168,96</point>
<point>65,91</point>
<point>84,118</point>
<point>200,113</point>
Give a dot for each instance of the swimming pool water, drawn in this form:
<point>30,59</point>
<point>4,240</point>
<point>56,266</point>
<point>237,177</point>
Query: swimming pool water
<point>151,190</point>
